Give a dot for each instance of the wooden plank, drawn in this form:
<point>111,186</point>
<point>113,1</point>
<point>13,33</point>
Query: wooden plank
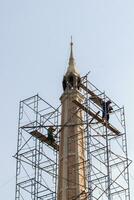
<point>93,97</point>
<point>93,117</point>
<point>99,119</point>
<point>97,100</point>
<point>43,138</point>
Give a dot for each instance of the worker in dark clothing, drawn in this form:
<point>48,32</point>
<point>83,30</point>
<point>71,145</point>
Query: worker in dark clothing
<point>50,134</point>
<point>106,109</point>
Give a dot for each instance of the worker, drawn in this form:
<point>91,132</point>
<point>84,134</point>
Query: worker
<point>106,109</point>
<point>50,131</point>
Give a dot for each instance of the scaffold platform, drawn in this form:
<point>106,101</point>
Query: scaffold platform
<point>98,118</point>
<point>45,139</point>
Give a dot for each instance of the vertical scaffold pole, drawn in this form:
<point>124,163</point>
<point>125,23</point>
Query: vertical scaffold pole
<point>89,161</point>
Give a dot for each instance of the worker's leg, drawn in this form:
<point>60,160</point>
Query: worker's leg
<point>103,114</point>
<point>107,117</point>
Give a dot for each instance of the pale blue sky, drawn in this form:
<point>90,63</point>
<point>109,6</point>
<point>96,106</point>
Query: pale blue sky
<point>34,50</point>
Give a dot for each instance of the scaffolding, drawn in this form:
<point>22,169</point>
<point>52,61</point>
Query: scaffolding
<point>106,160</point>
<point>36,167</point>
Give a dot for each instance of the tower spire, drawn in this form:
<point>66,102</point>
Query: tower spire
<point>71,51</point>
<point>72,66</point>
<point>71,59</point>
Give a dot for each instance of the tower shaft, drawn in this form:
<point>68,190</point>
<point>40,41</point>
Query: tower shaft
<point>72,178</point>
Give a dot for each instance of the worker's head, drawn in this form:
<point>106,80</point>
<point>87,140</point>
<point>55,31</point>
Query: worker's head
<point>109,102</point>
<point>51,128</point>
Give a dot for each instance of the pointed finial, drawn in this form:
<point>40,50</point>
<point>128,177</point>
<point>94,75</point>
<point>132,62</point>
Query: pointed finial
<point>71,45</point>
<point>72,67</point>
<point>71,40</point>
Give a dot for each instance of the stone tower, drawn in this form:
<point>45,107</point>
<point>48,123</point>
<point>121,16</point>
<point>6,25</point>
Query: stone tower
<point>72,182</point>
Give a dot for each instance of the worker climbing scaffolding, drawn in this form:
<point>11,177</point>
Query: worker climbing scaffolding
<point>50,135</point>
<point>106,109</point>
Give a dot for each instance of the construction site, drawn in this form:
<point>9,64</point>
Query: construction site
<point>77,151</point>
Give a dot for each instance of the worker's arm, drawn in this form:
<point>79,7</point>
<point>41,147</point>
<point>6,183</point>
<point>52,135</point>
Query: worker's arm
<point>110,109</point>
